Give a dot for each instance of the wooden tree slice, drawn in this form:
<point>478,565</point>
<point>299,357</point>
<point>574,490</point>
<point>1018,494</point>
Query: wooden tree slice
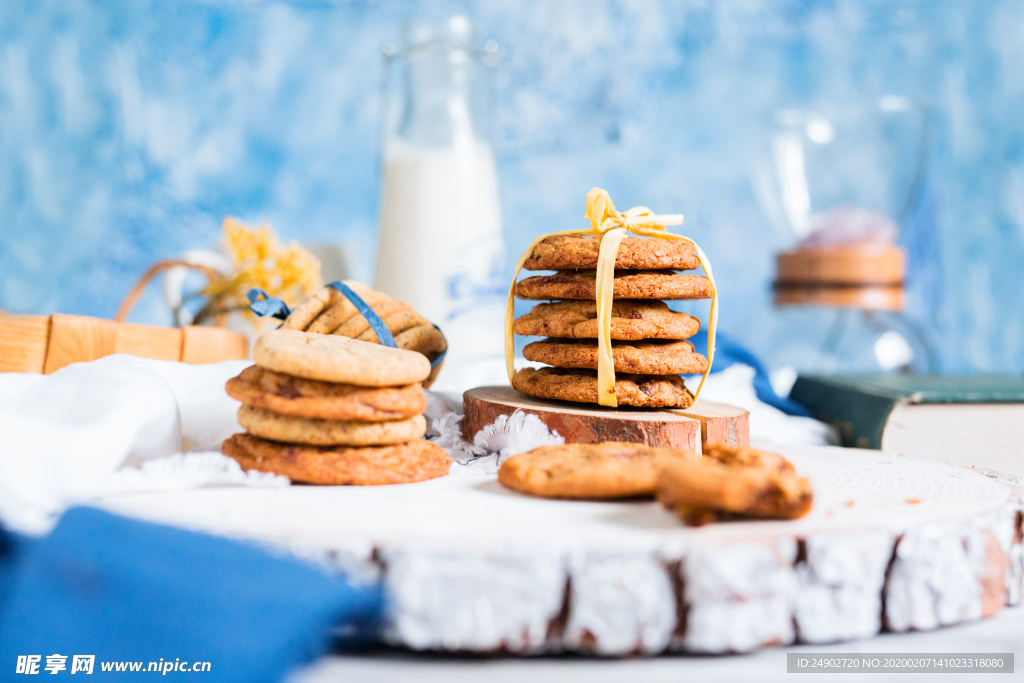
<point>577,424</point>
<point>719,422</point>
<point>469,565</point>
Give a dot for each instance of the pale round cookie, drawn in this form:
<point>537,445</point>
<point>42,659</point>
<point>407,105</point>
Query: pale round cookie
<point>303,315</point>
<point>575,252</point>
<point>342,311</point>
<point>403,463</point>
<point>641,391</point>
<point>333,358</point>
<point>605,470</point>
<point>357,323</point>
<point>628,284</point>
<point>425,339</point>
<point>263,388</point>
<point>631,320</point>
<point>396,324</point>
<point>731,481</point>
<point>316,432</point>
<point>638,358</point>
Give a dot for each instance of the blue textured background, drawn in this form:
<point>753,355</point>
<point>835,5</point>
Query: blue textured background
<point>128,129</point>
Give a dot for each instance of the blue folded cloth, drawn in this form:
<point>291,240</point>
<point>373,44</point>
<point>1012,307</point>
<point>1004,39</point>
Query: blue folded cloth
<point>132,592</point>
<point>728,352</point>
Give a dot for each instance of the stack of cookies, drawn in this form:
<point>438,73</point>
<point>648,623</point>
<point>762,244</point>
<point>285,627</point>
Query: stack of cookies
<point>326,409</point>
<point>329,312</point>
<point>648,339</point>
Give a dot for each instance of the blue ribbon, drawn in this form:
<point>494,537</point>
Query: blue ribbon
<point>376,324</point>
<point>275,308</point>
<point>279,309</point>
<point>440,357</point>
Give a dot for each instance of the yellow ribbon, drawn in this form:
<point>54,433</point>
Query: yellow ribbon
<point>606,220</point>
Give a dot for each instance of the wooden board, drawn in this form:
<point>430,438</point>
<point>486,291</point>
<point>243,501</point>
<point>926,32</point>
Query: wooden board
<point>578,424</point>
<point>471,566</point>
<point>23,340</point>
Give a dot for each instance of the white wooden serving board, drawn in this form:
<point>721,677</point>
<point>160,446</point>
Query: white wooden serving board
<point>468,565</point>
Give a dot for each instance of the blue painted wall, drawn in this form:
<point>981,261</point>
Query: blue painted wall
<point>128,129</point>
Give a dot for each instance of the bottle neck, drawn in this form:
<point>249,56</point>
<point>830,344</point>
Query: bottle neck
<point>439,99</point>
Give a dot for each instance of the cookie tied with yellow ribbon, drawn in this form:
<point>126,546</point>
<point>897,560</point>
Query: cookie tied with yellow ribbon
<point>609,286</point>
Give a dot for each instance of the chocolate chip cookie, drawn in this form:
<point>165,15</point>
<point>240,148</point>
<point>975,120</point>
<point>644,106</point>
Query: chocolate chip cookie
<point>631,320</point>
<point>641,391</point>
<point>605,470</point>
<point>629,284</point>
<point>403,463</point>
<point>734,481</point>
<point>575,252</point>
<point>288,395</point>
<point>639,358</point>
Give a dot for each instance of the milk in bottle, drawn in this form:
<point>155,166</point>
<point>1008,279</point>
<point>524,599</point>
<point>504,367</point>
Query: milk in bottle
<point>441,246</point>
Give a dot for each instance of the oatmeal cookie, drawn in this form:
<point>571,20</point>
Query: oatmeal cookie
<point>288,395</point>
<point>315,432</point>
<point>333,358</point>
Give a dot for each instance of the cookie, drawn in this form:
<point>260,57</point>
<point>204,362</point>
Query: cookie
<point>315,432</point>
<point>333,358</point>
<point>574,252</point>
<point>425,339</point>
<point>641,391</point>
<point>638,358</point>
<point>357,324</point>
<point>605,470</point>
<point>629,284</point>
<point>734,481</point>
<point>288,395</point>
<point>342,311</point>
<point>403,463</point>
<point>631,320</point>
<point>396,324</point>
<point>308,310</point>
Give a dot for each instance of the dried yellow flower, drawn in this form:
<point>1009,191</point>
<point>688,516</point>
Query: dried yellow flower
<point>289,273</point>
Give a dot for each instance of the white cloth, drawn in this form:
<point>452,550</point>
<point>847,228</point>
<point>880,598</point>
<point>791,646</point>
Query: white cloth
<point>86,429</point>
<point>768,424</point>
<point>122,424</point>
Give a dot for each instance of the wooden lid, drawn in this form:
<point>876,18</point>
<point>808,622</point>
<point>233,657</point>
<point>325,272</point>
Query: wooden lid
<point>865,298</point>
<point>848,264</point>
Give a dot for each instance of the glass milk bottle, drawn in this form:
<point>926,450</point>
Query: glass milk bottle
<point>441,246</point>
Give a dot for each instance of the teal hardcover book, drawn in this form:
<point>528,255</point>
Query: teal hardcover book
<point>975,420</point>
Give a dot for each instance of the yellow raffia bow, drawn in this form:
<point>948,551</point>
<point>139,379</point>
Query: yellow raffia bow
<point>606,220</point>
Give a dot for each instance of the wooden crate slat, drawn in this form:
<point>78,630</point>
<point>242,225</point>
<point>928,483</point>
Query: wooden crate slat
<point>23,340</point>
<point>76,338</point>
<point>149,341</point>
<point>212,344</point>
